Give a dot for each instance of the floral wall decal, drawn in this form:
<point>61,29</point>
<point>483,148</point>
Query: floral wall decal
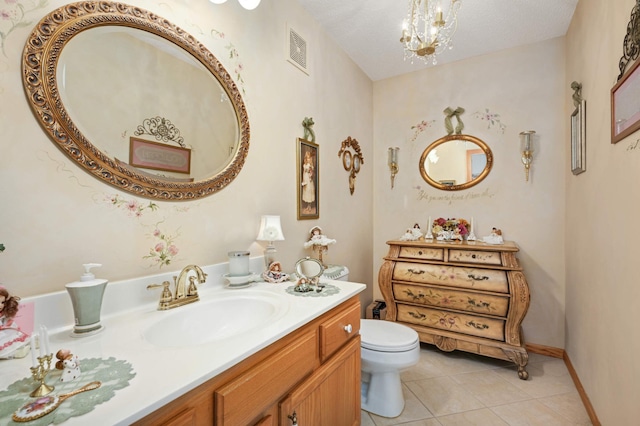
<point>234,56</point>
<point>420,127</point>
<point>491,118</point>
<point>132,207</point>
<point>164,249</point>
<point>13,15</point>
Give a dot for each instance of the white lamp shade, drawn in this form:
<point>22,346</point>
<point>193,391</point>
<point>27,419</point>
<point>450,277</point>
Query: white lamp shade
<point>217,1</point>
<point>270,229</point>
<point>249,4</point>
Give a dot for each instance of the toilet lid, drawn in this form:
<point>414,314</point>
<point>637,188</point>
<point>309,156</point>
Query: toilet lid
<point>387,336</point>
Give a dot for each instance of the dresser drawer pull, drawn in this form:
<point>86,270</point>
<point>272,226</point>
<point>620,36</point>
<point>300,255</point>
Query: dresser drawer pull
<point>348,328</point>
<point>478,278</point>
<point>413,271</point>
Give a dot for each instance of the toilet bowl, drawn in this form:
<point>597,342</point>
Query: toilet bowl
<point>386,349</point>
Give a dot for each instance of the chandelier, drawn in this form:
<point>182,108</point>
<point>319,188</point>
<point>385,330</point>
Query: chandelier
<point>427,30</point>
<point>247,4</point>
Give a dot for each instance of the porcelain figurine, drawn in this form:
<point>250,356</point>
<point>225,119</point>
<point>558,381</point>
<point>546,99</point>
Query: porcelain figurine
<point>274,274</point>
<point>302,285</point>
<point>11,337</point>
<point>495,237</point>
<point>412,234</point>
<point>316,238</point>
<point>69,364</point>
<point>71,369</point>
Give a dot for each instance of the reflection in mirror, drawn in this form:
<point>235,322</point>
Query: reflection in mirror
<point>174,82</point>
<point>99,75</point>
<point>309,268</point>
<point>455,162</point>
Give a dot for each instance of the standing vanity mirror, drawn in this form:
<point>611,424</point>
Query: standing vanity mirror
<point>455,162</point>
<point>309,268</point>
<point>135,100</point>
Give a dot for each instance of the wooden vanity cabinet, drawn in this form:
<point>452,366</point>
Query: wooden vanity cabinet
<point>469,296</point>
<point>314,372</point>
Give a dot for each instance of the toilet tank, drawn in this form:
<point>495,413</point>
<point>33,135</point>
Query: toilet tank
<point>336,272</point>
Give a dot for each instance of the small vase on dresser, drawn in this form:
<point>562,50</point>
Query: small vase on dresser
<point>468,296</point>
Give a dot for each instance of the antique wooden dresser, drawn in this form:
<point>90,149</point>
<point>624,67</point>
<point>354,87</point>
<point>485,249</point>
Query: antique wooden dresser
<point>469,296</point>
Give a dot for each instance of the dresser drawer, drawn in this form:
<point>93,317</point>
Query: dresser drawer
<point>489,328</point>
<point>339,330</point>
<point>452,276</point>
<point>449,298</point>
<point>475,256</point>
<point>421,253</point>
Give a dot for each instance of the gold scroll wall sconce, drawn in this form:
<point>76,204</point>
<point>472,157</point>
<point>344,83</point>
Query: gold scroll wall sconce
<point>526,146</point>
<point>392,160</point>
<point>352,159</point>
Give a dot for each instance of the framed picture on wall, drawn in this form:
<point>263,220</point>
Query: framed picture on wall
<point>578,138</point>
<point>308,181</point>
<point>625,105</point>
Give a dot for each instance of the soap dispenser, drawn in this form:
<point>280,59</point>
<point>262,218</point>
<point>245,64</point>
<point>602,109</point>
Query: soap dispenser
<point>86,298</point>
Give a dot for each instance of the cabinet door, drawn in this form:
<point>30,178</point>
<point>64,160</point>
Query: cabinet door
<point>245,397</point>
<point>331,395</point>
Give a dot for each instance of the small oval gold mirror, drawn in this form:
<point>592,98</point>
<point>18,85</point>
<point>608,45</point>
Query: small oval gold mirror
<point>455,162</point>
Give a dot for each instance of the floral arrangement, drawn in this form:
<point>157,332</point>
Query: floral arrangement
<point>458,226</point>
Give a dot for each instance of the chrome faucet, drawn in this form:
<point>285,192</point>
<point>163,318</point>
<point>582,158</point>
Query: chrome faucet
<point>183,294</point>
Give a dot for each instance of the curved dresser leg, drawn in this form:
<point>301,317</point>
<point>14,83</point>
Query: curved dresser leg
<point>521,359</point>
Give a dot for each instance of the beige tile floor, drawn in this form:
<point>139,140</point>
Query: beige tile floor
<point>458,388</point>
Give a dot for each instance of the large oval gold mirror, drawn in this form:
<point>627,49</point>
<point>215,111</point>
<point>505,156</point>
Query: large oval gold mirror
<point>136,101</point>
<point>455,162</point>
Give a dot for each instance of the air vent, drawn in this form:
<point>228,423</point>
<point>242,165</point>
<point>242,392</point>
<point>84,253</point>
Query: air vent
<point>297,50</point>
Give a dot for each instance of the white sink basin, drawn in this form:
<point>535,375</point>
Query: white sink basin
<point>225,315</point>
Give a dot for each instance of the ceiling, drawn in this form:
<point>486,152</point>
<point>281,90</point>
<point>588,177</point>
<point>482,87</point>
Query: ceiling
<point>369,30</point>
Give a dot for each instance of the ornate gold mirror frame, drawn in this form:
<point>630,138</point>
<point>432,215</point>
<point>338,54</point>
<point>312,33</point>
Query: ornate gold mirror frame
<point>453,186</point>
<point>351,160</point>
<point>39,68</point>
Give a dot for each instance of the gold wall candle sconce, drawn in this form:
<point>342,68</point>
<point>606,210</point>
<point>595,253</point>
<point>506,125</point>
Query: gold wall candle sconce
<point>526,146</point>
<point>392,160</point>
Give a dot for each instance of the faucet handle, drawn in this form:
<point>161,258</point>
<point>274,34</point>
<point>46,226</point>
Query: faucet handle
<point>193,289</point>
<point>165,296</point>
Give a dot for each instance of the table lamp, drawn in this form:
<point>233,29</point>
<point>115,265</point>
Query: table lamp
<point>270,230</point>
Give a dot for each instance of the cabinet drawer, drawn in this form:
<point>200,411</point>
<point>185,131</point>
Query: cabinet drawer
<point>453,276</point>
<point>490,328</point>
<point>449,298</point>
<point>337,331</point>
<point>475,256</point>
<point>244,398</point>
<point>422,253</point>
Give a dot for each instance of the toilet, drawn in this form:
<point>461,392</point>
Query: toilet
<point>386,349</point>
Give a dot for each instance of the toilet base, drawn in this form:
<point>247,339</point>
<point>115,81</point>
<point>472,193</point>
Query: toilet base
<point>383,394</point>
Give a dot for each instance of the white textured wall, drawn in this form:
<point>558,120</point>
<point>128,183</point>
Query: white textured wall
<point>525,86</point>
<point>55,216</point>
<point>602,283</point>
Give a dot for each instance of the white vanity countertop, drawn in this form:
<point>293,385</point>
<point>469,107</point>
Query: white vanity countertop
<point>164,373</point>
